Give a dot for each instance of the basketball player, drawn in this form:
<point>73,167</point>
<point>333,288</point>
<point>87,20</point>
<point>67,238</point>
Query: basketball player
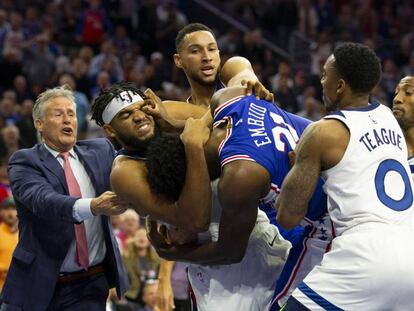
<point>403,110</point>
<point>245,286</point>
<point>361,153</point>
<point>198,55</point>
<point>248,150</point>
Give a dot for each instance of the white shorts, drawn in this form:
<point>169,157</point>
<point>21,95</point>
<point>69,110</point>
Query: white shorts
<point>248,285</point>
<point>370,267</point>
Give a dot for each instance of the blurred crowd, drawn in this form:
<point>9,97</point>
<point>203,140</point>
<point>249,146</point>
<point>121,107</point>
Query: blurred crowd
<point>91,44</point>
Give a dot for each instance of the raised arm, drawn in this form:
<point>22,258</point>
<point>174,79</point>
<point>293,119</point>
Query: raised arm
<point>237,71</point>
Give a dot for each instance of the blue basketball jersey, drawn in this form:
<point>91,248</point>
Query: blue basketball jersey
<point>260,131</point>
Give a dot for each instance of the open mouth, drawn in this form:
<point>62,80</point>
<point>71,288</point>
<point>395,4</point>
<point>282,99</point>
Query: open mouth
<point>67,130</point>
<point>208,70</point>
<point>143,128</point>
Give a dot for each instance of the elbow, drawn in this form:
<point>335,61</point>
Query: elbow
<point>287,222</point>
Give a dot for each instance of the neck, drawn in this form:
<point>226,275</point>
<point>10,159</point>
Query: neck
<point>200,94</point>
<point>355,101</point>
<point>141,252</point>
<point>409,138</point>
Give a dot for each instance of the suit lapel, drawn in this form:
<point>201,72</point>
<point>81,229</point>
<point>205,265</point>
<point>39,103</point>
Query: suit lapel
<point>52,164</point>
<point>91,163</point>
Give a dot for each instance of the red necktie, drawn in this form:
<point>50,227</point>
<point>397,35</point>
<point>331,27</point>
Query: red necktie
<point>82,257</point>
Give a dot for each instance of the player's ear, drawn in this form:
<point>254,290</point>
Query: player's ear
<point>177,60</point>
<point>109,131</point>
<point>340,87</point>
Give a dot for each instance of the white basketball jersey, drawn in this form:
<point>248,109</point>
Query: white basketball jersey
<point>372,182</point>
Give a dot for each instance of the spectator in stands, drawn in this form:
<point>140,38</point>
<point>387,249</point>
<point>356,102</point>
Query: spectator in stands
<point>98,62</point>
<point>285,96</point>
<point>129,224</point>
<point>141,263</point>
<point>8,110</point>
<point>170,21</point>
<point>79,72</point>
<point>157,72</point>
<point>22,90</point>
<point>82,104</point>
<point>11,137</point>
<point>10,67</point>
<point>15,36</point>
<point>121,41</point>
<point>5,191</point>
<point>103,80</point>
<point>93,25</point>
<point>8,235</point>
<point>311,109</point>
<point>26,126</point>
<point>308,19</point>
<point>39,62</point>
<point>31,24</point>
<point>4,27</point>
<point>149,295</point>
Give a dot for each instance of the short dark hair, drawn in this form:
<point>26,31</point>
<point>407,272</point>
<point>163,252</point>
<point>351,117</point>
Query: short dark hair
<point>166,165</point>
<point>106,95</point>
<point>190,28</point>
<point>358,65</point>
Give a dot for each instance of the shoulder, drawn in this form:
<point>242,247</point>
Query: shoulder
<point>125,168</point>
<point>326,130</point>
<point>325,141</point>
<point>101,143</point>
<point>27,153</point>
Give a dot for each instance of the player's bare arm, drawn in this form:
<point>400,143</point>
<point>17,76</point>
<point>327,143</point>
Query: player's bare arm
<point>240,188</point>
<point>165,295</point>
<point>317,150</point>
<point>171,115</point>
<point>238,71</point>
<point>129,180</point>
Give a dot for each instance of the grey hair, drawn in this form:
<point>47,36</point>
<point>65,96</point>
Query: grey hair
<point>59,91</point>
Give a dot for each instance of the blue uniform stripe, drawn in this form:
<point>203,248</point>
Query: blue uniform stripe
<point>315,297</point>
<point>412,168</point>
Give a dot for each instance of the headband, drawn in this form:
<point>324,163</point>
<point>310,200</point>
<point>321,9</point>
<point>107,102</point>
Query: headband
<point>125,99</point>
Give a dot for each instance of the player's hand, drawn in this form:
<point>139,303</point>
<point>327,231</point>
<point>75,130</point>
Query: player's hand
<point>108,203</point>
<point>258,89</point>
<point>157,235</point>
<point>165,296</point>
<point>153,106</point>
<point>195,132</point>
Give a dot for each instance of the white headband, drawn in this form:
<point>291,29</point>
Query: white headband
<point>125,99</point>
